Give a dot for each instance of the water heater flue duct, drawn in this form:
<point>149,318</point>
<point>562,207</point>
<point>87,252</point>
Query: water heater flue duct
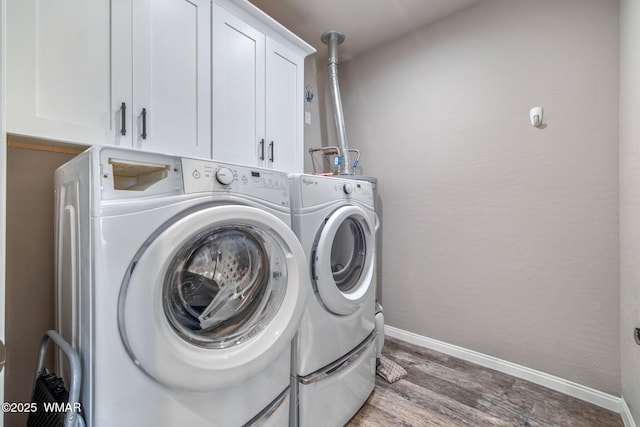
<point>332,39</point>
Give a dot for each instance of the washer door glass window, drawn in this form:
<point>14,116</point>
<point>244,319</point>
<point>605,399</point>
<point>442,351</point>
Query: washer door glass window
<point>343,260</point>
<point>224,286</point>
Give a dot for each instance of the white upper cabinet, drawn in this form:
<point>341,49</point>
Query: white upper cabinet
<point>238,90</point>
<point>258,75</point>
<point>161,66</point>
<point>58,70</point>
<point>72,65</point>
<point>284,109</point>
<point>155,75</point>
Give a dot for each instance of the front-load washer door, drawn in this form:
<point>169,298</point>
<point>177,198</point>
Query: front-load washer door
<point>343,260</point>
<point>213,297</point>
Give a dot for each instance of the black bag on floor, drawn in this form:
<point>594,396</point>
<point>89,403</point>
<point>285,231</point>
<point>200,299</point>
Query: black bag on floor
<point>53,404</point>
<point>49,393</point>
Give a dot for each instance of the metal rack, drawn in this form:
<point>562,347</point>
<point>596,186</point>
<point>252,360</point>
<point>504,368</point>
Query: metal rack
<point>49,404</point>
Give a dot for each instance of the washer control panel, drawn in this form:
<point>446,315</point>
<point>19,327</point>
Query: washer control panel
<point>201,176</point>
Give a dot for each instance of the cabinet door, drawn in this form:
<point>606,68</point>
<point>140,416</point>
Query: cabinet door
<point>238,90</point>
<point>284,76</point>
<point>58,70</point>
<point>121,64</point>
<point>171,76</point>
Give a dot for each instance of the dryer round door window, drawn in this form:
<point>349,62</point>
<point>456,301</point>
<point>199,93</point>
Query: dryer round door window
<point>348,253</point>
<point>343,260</point>
<point>213,297</point>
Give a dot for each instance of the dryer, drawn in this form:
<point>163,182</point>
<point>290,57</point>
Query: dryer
<point>180,284</point>
<point>334,360</point>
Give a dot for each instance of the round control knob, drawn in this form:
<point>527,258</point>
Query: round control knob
<point>224,176</point>
<point>347,188</point>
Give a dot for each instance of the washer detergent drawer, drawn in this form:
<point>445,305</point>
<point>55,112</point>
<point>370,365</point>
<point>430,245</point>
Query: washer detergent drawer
<point>338,395</point>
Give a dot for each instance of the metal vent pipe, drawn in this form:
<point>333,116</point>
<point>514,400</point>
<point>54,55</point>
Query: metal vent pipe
<point>332,39</point>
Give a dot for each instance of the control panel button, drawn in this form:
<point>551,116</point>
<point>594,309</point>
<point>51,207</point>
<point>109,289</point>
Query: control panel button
<point>224,176</point>
<point>347,188</point>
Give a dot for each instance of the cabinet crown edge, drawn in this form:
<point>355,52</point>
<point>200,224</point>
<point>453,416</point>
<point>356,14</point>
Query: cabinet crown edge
<point>260,20</point>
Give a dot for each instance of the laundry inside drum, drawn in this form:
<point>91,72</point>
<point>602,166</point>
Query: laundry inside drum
<point>221,288</point>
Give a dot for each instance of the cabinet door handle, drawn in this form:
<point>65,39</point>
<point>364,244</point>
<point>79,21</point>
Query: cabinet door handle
<point>123,119</point>
<point>144,123</point>
<point>271,151</point>
<point>262,149</point>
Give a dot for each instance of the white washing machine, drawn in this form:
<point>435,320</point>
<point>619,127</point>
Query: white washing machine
<point>180,284</point>
<point>335,355</point>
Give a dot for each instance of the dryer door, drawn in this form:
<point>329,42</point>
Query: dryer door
<point>213,297</point>
<point>343,259</point>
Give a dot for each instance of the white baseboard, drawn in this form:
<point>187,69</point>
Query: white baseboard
<point>625,413</point>
<point>561,385</point>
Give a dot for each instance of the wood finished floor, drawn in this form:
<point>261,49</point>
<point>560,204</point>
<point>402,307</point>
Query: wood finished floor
<point>441,390</point>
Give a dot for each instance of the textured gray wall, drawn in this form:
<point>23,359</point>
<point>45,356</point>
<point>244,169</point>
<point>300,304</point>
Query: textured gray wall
<point>497,236</point>
<point>630,201</point>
